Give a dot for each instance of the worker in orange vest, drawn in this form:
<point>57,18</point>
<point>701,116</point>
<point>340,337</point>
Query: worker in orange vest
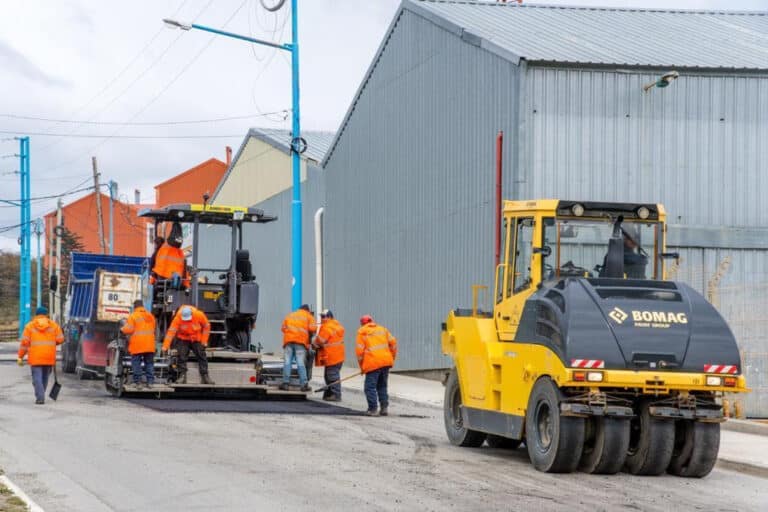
<point>140,327</point>
<point>189,330</point>
<point>330,353</point>
<point>376,352</point>
<point>297,328</point>
<point>169,260</point>
<point>38,342</point>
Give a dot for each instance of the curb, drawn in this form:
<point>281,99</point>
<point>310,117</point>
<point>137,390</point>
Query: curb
<point>31,505</point>
<point>746,427</point>
<point>742,467</point>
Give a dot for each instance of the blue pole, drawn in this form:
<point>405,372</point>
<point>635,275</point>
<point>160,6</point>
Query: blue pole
<point>25,264</point>
<point>296,228</point>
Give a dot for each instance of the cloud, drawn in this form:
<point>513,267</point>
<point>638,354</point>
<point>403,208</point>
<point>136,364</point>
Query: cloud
<point>11,61</point>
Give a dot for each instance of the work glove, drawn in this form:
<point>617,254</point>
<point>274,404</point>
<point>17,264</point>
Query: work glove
<point>19,361</point>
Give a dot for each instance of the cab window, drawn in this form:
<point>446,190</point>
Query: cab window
<point>520,279</point>
<point>505,238</point>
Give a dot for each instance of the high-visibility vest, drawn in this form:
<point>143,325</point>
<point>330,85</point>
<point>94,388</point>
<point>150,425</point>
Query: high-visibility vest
<point>196,329</point>
<point>330,339</point>
<point>141,328</point>
<point>376,347</point>
<point>39,339</point>
<point>168,260</point>
<point>297,327</point>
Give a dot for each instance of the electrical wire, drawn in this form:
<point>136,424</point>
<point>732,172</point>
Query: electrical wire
<point>114,136</point>
<point>155,123</point>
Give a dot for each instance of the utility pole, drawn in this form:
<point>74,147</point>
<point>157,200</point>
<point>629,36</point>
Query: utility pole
<point>98,205</point>
<point>38,232</point>
<point>25,267</point>
<point>112,194</point>
<point>59,228</point>
<point>49,247</point>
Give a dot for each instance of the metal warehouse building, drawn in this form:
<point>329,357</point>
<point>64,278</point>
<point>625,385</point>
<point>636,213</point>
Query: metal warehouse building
<point>409,178</point>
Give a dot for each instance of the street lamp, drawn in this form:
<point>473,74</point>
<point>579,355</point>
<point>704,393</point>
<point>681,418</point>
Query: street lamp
<point>298,144</point>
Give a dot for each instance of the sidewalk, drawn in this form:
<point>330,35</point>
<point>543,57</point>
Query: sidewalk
<point>743,443</point>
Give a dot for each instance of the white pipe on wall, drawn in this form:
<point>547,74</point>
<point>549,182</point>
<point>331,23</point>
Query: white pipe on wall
<point>319,262</point>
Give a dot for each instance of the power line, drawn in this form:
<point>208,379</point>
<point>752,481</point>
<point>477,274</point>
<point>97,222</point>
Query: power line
<point>102,136</point>
<point>53,196</point>
<point>126,123</point>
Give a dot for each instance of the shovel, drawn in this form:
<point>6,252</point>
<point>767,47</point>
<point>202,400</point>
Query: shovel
<point>54,394</point>
<point>337,381</point>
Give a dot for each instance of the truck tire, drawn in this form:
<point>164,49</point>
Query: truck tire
<point>68,361</point>
<point>505,443</point>
<point>605,445</point>
<point>651,441</point>
<point>696,447</point>
<point>554,441</point>
<point>454,425</point>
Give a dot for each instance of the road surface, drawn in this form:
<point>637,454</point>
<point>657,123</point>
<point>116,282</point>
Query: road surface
<point>90,452</point>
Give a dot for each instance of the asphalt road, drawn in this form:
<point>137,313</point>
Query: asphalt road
<point>89,452</point>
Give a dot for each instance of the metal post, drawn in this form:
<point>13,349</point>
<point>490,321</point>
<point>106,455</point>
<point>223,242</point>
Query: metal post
<point>296,228</point>
<point>25,266</point>
<point>58,231</point>
<point>99,218</point>
<point>38,232</point>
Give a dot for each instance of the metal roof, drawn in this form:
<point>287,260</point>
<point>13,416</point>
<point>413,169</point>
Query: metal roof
<point>317,142</point>
<point>619,36</point>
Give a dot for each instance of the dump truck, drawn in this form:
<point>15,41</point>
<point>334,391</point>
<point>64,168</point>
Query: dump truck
<point>590,356</point>
<point>225,289</point>
<point>100,292</point>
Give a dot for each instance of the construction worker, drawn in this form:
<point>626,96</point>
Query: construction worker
<point>189,330</point>
<point>330,353</point>
<point>38,342</point>
<point>376,352</point>
<point>297,328</point>
<point>140,326</point>
<point>170,263</point>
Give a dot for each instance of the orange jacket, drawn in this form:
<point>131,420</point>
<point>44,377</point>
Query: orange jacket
<point>376,347</point>
<point>40,337</point>
<point>196,329</point>
<point>141,327</point>
<point>330,342</point>
<point>168,260</point>
<point>297,327</point>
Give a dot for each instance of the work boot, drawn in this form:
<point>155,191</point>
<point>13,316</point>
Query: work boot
<point>283,386</point>
<point>148,385</point>
<point>39,402</point>
<point>383,411</point>
<point>182,378</point>
<point>371,412</point>
<point>205,379</point>
<point>333,398</point>
<point>305,387</point>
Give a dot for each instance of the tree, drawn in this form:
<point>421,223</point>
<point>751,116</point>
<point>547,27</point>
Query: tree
<point>70,242</point>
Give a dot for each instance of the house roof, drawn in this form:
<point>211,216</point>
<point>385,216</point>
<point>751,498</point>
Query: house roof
<point>318,143</point>
<point>622,36</point>
<point>626,37</point>
<point>190,171</point>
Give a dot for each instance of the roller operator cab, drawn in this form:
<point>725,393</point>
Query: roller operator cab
<point>590,356</point>
<point>223,286</point>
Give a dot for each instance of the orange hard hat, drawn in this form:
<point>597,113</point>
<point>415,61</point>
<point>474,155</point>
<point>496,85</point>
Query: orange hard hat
<point>366,319</point>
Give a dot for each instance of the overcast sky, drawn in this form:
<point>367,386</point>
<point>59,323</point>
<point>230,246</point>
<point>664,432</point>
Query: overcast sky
<point>114,62</point>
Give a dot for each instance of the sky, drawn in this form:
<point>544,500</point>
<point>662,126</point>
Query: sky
<point>89,68</point>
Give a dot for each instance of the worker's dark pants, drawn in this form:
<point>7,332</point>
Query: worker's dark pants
<point>376,385</point>
<point>148,358</point>
<point>183,347</point>
<point>332,374</point>
<point>40,376</point>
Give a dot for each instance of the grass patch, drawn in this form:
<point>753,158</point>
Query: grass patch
<point>9,502</point>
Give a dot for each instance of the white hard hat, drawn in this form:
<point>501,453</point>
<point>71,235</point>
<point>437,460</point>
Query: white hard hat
<point>186,313</point>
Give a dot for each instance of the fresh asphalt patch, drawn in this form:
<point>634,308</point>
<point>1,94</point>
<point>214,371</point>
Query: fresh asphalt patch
<point>244,406</point>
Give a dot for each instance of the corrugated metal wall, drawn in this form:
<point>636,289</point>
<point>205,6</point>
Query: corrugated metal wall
<point>411,185</point>
<point>698,146</point>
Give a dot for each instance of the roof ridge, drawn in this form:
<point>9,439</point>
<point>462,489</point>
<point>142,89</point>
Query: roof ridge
<point>514,4</point>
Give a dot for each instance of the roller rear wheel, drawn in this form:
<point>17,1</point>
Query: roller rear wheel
<point>605,445</point>
<point>651,443</point>
<point>454,424</point>
<point>696,447</point>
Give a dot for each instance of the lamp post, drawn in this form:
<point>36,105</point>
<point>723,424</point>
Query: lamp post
<point>298,144</point>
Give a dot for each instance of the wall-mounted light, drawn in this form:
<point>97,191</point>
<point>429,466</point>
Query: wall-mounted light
<point>665,80</point>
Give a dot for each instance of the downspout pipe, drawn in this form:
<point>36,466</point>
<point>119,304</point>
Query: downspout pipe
<point>499,146</point>
<point>319,262</point>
